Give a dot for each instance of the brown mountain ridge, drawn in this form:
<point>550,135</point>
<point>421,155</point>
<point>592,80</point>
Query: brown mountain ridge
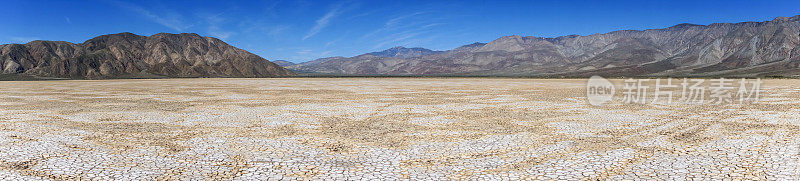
<point>126,55</point>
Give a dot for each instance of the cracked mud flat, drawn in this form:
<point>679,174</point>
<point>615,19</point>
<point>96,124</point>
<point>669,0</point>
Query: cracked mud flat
<point>388,128</point>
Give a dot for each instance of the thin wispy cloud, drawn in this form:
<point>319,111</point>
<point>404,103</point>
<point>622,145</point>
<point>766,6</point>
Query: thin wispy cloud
<point>337,40</point>
<point>326,53</point>
<point>168,19</point>
<point>324,21</point>
<point>393,24</point>
<point>431,25</point>
<point>362,14</point>
<point>398,38</point>
<point>270,7</point>
<point>263,26</point>
<point>214,28</point>
<point>220,34</point>
<point>302,53</point>
<point>330,43</point>
<point>396,21</point>
<point>23,40</point>
<point>406,29</point>
<point>277,30</point>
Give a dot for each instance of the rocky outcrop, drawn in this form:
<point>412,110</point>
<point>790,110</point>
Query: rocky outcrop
<point>741,49</point>
<point>129,55</point>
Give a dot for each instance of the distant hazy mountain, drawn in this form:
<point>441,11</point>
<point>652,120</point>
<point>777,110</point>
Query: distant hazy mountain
<point>283,63</point>
<point>403,52</point>
<point>130,55</point>
<point>736,49</point>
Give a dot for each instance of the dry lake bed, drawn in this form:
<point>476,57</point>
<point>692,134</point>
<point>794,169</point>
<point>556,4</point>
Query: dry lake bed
<point>384,128</point>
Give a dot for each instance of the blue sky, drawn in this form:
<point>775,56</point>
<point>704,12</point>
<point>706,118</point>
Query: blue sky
<point>299,30</point>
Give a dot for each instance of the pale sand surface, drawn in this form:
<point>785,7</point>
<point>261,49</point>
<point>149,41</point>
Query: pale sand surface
<point>388,128</point>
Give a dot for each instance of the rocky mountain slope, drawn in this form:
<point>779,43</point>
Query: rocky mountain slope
<point>129,55</point>
<point>740,49</point>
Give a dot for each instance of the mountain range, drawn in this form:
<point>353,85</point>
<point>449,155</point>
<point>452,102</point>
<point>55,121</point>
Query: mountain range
<point>126,55</point>
<point>747,49</point>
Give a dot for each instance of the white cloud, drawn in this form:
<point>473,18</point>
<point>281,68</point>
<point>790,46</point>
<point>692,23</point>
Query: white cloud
<point>277,30</point>
<point>223,35</point>
<point>406,29</point>
<point>397,38</point>
<point>271,6</point>
<point>168,19</point>
<point>214,29</point>
<point>396,21</point>
<point>304,54</point>
<point>330,43</point>
<point>23,40</point>
<point>392,24</point>
<point>324,21</point>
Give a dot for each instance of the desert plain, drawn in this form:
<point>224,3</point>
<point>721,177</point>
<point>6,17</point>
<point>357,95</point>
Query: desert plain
<point>384,128</point>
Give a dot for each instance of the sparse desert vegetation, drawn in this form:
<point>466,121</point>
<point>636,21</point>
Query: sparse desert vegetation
<point>387,128</point>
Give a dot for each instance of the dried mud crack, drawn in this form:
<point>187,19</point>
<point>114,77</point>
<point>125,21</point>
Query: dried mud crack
<point>384,128</point>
